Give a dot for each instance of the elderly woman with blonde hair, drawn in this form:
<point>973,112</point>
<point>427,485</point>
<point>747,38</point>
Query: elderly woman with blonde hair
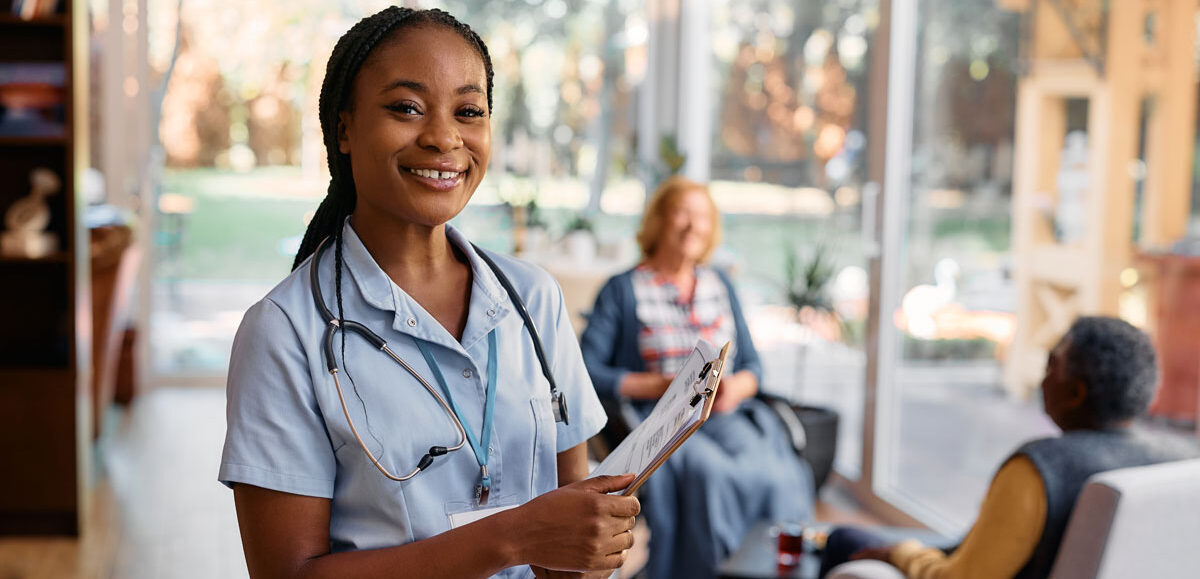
<point>739,468</point>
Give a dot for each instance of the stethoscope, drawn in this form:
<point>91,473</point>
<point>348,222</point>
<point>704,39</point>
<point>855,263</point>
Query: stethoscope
<point>558,403</point>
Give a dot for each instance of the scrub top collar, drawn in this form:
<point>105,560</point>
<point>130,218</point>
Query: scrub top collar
<point>488,306</point>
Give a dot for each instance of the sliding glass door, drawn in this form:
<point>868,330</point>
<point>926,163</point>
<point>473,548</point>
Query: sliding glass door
<point>944,420</point>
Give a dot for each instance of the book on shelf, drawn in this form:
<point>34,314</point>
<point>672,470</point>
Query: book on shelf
<point>32,99</point>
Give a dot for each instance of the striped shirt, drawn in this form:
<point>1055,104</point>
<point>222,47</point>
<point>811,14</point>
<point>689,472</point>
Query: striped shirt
<point>671,322</point>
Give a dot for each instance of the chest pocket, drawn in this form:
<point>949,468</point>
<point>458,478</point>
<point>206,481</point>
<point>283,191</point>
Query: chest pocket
<point>396,417</point>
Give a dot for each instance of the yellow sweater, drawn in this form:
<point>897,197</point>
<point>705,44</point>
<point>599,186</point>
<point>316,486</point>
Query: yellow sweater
<point>1001,541</point>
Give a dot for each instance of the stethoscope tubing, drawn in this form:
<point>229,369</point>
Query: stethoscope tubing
<point>559,403</point>
<point>428,458</point>
<point>333,325</point>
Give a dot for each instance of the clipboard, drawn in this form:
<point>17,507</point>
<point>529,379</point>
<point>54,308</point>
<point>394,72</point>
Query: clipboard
<point>681,411</point>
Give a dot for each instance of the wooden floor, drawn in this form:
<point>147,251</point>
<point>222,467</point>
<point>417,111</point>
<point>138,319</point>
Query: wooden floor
<point>158,511</point>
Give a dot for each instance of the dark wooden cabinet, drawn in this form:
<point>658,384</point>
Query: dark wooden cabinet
<point>46,324</point>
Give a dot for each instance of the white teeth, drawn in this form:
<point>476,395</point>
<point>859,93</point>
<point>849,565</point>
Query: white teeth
<point>432,174</point>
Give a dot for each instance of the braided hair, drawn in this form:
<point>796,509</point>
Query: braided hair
<point>337,91</point>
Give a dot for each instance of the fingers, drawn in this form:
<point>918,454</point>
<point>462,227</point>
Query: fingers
<point>622,542</point>
<point>605,484</point>
<point>615,561</point>
<point>625,507</point>
<point>617,528</point>
<point>625,541</point>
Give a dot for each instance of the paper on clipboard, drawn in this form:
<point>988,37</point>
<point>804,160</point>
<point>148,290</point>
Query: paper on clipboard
<point>673,419</point>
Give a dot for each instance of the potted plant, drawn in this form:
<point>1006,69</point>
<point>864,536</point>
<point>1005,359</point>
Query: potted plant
<point>807,285</point>
<point>533,237</point>
<point>580,238</point>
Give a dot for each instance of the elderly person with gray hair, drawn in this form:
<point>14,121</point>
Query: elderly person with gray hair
<point>1099,378</point>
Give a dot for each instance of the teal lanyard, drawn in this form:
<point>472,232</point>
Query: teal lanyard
<point>489,408</point>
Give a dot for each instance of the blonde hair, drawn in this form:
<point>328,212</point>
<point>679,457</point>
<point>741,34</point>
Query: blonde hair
<point>662,201</point>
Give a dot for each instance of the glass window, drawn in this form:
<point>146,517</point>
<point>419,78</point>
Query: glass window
<point>789,170</point>
<point>951,421</point>
<point>563,128</point>
<point>244,160</point>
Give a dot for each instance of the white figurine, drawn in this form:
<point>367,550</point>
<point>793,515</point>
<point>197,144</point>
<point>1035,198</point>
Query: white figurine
<point>27,218</point>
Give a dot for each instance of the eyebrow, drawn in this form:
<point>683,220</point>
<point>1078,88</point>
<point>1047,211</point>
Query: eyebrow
<point>419,87</point>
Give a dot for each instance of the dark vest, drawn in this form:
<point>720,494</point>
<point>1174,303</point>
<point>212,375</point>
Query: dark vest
<point>1066,462</point>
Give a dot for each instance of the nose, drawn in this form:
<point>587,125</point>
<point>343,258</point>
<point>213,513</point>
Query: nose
<point>440,134</point>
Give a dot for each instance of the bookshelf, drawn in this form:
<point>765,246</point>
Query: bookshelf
<point>45,331</point>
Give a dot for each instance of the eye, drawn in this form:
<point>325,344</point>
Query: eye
<point>472,112</point>
<point>404,108</point>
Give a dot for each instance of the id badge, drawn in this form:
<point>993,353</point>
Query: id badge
<point>465,512</point>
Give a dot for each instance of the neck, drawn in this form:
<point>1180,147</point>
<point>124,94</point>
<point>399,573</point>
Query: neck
<point>1089,423</point>
<point>673,266</point>
<point>406,252</point>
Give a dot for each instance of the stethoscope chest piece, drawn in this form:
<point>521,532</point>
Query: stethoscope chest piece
<point>558,404</point>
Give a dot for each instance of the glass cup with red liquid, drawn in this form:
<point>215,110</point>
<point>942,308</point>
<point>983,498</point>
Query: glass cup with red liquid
<point>790,537</point>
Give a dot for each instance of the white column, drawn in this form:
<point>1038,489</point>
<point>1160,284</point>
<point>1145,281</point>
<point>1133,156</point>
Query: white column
<point>695,90</point>
<point>139,153</point>
<point>658,100</point>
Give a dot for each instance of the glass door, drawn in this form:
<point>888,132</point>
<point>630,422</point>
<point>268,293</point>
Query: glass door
<point>796,157</point>
<point>948,302</point>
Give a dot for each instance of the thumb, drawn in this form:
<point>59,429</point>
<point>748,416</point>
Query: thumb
<point>605,483</point>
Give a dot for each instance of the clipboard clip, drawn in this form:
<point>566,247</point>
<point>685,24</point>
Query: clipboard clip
<point>708,366</point>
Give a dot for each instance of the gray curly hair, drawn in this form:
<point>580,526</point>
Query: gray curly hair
<point>1117,363</point>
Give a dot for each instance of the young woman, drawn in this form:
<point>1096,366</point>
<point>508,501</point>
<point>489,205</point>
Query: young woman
<point>441,455</point>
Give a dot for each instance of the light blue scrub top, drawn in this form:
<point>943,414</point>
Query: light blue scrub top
<point>286,430</point>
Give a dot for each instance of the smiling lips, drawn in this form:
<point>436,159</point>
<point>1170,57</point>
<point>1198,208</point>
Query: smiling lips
<point>435,179</point>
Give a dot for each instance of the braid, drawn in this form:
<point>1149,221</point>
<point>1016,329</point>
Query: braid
<point>325,221</point>
<point>349,54</point>
<point>351,51</point>
<point>337,255</point>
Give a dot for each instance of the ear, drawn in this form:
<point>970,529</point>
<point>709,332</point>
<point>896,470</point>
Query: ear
<point>343,139</point>
<point>1075,395</point>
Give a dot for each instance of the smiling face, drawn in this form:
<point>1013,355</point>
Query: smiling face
<point>687,226</point>
<point>417,129</point>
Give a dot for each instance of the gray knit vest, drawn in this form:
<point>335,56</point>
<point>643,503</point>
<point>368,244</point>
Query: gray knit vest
<point>1066,462</point>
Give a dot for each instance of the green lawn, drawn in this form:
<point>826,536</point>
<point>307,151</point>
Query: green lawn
<point>236,227</point>
<point>240,223</point>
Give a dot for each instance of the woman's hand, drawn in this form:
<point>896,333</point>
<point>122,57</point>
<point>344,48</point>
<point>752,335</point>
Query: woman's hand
<point>877,553</point>
<point>579,527</point>
<point>541,573</point>
<point>733,390</point>
<point>644,385</point>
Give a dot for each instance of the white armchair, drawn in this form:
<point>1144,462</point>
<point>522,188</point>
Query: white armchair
<point>1135,522</point>
<point>1131,522</point>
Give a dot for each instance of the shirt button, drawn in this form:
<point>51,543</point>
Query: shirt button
<point>492,313</point>
<point>412,322</point>
<point>467,373</point>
